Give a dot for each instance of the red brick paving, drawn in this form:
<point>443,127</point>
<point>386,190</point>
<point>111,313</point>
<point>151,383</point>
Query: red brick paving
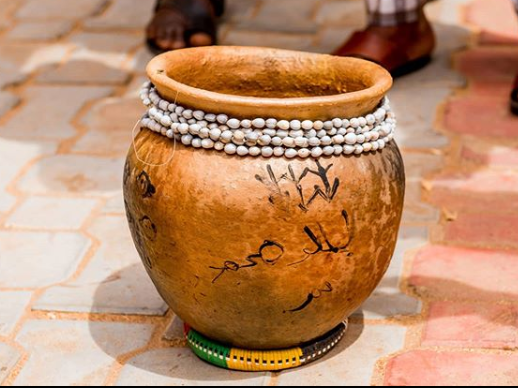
<point>431,368</point>
<point>466,274</point>
<point>496,20</point>
<point>472,325</point>
<point>484,230</point>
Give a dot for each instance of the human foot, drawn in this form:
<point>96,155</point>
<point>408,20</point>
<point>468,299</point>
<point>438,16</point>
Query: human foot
<point>401,49</point>
<point>183,23</point>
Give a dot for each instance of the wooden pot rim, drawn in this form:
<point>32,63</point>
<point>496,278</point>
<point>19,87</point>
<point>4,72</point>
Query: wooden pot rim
<point>323,107</point>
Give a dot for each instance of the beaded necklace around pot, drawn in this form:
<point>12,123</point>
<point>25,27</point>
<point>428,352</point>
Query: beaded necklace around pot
<point>268,137</point>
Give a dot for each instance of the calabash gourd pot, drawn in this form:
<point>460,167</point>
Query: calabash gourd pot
<point>264,234</point>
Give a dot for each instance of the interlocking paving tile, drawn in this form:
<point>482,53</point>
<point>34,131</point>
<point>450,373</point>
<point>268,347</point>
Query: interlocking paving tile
<point>239,10</point>
<point>293,16</point>
<point>7,102</point>
<point>36,31</point>
<point>8,359</point>
<point>109,125</point>
<point>13,156</point>
<point>416,116</point>
<point>7,8</point>
<point>52,213</point>
<point>59,9</point>
<point>115,205</point>
<point>123,14</point>
<point>12,307</point>
<point>43,115</point>
<point>175,331</point>
<point>18,60</point>
<point>179,366</point>
<point>76,352</point>
<point>352,362</point>
<point>48,258</point>
<point>331,38</point>
<point>352,14</point>
<point>84,72</point>
<point>74,174</point>
<point>114,281</point>
<point>269,39</point>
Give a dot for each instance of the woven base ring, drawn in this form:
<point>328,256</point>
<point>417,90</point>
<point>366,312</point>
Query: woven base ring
<point>256,361</point>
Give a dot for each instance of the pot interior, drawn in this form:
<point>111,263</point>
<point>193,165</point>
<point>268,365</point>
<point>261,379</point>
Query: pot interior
<point>261,74</point>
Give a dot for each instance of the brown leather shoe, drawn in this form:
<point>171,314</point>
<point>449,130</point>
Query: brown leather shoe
<point>401,49</point>
<point>514,98</point>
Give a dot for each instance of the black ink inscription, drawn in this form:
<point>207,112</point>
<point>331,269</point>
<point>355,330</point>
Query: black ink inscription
<point>323,244</point>
<point>327,193</point>
<point>269,253</point>
<point>313,295</point>
<point>280,197</point>
<point>146,188</point>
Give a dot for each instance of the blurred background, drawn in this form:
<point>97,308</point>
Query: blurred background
<point>76,306</point>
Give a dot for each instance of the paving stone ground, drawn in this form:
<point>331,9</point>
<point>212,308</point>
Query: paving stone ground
<point>76,307</point>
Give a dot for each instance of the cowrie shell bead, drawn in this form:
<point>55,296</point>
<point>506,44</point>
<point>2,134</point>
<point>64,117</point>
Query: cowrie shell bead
<point>211,118</point>
<point>164,105</point>
<point>318,125</point>
<point>233,123</point>
<point>295,125</point>
<point>291,153</point>
<point>304,152</point>
<point>230,149</point>
<point>307,125</point>
<point>271,123</point>
<point>215,134</point>
<point>254,151</point>
<point>204,133</point>
<point>207,143</point>
<point>187,139</point>
<point>317,152</point>
<point>222,119</point>
<point>267,152</point>
<point>278,151</point>
<point>350,138</point>
<point>264,140</point>
<point>349,149</point>
<point>259,123</point>
<point>242,151</point>
<point>283,124</point>
<point>196,142</point>
<point>329,150</point>
<point>276,141</point>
